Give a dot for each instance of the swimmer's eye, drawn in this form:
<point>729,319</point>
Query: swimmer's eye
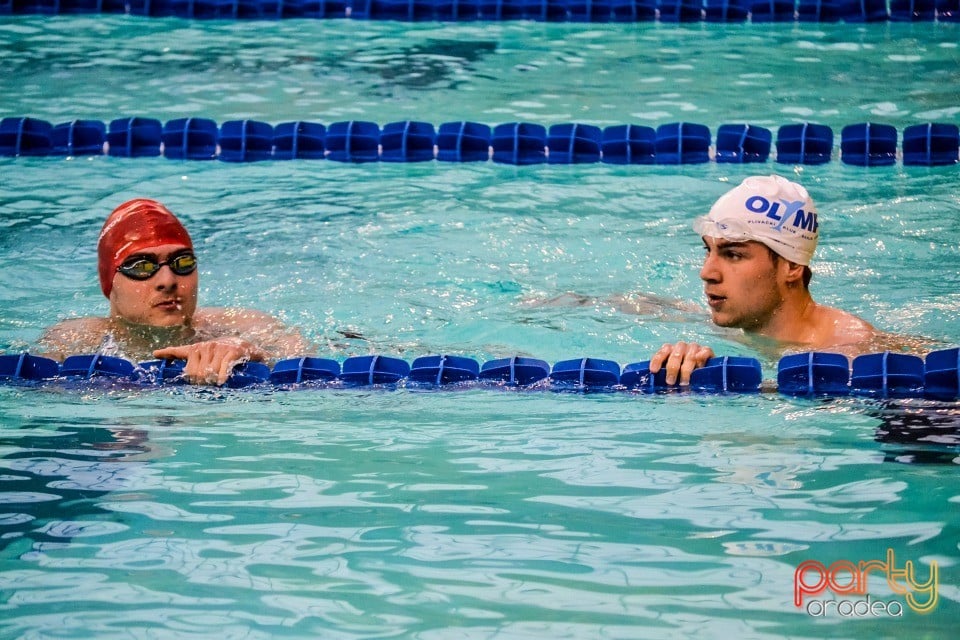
<point>182,265</point>
<point>144,268</point>
<point>139,268</point>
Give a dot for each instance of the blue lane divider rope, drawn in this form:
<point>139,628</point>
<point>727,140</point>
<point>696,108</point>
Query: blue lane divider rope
<point>519,143</point>
<point>668,11</point>
<point>881,375</point>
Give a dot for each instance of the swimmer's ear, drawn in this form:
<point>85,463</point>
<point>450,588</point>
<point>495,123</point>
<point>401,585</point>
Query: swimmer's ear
<point>793,272</point>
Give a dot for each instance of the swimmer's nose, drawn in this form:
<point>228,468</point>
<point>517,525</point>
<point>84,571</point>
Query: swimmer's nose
<point>165,278</point>
<point>709,271</point>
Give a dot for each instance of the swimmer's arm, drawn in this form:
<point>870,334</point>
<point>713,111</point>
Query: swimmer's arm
<point>680,359</point>
<point>880,341</point>
<point>639,304</point>
<point>235,336</point>
<point>648,304</point>
<point>273,340</point>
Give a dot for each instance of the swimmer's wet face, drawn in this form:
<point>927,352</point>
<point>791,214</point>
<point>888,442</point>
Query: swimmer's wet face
<point>134,228</point>
<point>742,282</point>
<point>759,238</point>
<point>163,299</point>
<point>146,265</point>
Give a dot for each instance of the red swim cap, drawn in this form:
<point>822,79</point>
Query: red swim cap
<point>135,225</point>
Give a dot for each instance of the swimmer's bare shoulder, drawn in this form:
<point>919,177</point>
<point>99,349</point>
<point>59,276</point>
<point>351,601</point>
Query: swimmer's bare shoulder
<point>73,335</point>
<point>852,336</point>
<point>838,327</point>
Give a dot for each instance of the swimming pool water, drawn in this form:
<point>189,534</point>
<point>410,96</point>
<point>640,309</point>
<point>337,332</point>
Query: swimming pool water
<point>109,66</point>
<point>475,513</point>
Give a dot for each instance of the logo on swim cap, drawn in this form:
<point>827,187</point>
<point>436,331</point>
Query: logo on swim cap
<point>791,211</point>
<point>767,209</point>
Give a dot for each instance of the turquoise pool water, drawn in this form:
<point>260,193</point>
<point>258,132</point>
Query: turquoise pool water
<point>477,513</point>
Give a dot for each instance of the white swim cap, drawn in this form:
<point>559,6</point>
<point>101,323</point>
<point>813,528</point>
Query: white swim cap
<point>768,209</point>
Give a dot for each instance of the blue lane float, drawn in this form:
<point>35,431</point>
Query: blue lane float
<point>809,374</point>
<point>682,143</point>
<point>463,142</point>
<point>941,380</point>
<point>245,141</point>
<point>636,376</point>
<point>680,11</point>
<point>804,143</point>
<point>629,144</point>
<point>89,366</point>
<point>772,11</point>
<point>444,369</point>
<point>25,137</point>
<point>134,137</point>
<point>931,144</point>
<point>374,369</point>
<point>248,374</point>
<point>887,375</point>
<point>574,143</point>
<point>190,139</point>
<point>726,11</point>
<point>78,138</point>
<point>586,373</point>
<point>27,367</point>
<point>728,374</point>
<point>743,143</point>
<point>518,143</point>
<point>306,369</point>
<point>162,371</point>
<point>407,142</point>
<point>666,11</point>
<point>353,141</point>
<point>868,145</point>
<point>814,374</point>
<point>515,371</point>
<point>299,141</point>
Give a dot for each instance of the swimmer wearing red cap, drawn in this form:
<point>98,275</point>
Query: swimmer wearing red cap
<point>148,272</point>
<point>759,239</point>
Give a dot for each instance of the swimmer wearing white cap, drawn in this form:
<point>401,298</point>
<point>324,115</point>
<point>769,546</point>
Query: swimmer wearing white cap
<point>759,239</point>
